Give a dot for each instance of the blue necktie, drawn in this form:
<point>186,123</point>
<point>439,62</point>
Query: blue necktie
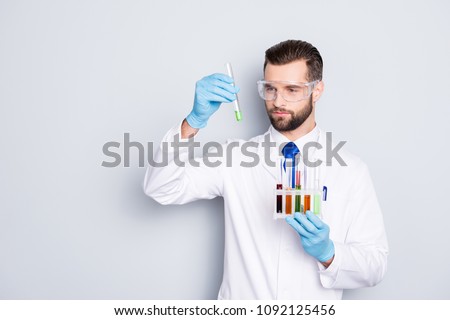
<point>290,150</point>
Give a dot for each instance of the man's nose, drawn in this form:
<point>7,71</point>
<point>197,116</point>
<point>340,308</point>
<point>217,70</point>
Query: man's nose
<point>279,101</point>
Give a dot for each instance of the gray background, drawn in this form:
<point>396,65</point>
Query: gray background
<point>77,74</point>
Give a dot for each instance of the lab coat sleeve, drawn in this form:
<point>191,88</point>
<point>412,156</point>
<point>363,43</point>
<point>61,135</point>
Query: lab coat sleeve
<point>361,260</point>
<point>171,183</point>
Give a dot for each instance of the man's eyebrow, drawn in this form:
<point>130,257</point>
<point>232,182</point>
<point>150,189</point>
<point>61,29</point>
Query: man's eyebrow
<point>293,86</point>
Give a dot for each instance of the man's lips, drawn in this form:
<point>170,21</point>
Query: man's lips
<point>280,113</point>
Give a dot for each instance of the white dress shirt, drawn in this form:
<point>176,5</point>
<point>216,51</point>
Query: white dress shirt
<point>264,258</point>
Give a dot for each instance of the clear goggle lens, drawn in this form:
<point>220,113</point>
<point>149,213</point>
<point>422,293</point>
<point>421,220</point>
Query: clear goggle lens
<point>290,91</point>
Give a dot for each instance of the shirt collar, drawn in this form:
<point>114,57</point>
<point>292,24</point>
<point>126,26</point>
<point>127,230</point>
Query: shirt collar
<point>279,138</point>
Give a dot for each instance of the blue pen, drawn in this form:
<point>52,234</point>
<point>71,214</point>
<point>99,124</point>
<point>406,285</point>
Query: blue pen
<point>325,190</point>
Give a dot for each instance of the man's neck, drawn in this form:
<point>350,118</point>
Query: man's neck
<point>301,131</point>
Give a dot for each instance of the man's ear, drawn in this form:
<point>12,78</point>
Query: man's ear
<point>318,90</point>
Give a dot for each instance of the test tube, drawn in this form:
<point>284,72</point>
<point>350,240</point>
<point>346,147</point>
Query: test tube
<point>237,109</point>
<point>297,187</point>
<point>280,187</point>
<point>289,179</point>
<point>307,202</point>
<point>279,199</point>
<point>317,190</point>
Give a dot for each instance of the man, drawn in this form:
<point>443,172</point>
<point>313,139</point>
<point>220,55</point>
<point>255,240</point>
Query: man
<point>302,257</point>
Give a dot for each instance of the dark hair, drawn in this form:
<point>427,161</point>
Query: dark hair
<point>292,50</point>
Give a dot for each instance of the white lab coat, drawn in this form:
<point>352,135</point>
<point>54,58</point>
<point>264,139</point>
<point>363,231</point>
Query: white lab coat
<point>264,258</point>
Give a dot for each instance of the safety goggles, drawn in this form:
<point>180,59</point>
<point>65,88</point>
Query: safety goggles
<point>291,91</point>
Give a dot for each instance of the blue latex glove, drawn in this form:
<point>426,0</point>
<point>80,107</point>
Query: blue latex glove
<point>210,92</point>
<point>314,235</point>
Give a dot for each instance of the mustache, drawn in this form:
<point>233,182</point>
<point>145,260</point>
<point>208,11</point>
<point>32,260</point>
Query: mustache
<point>281,110</point>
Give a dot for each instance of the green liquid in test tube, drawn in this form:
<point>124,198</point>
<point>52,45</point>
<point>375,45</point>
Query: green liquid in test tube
<point>317,204</point>
<point>237,109</point>
<point>297,187</point>
<point>298,202</point>
<point>317,195</point>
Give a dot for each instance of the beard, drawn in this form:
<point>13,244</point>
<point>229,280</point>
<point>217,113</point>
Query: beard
<point>282,124</point>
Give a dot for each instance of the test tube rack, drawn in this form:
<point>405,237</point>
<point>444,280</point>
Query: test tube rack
<point>289,201</point>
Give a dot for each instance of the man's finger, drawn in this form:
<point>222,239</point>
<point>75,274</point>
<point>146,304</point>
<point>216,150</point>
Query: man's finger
<point>307,225</point>
<point>298,227</point>
<point>318,223</point>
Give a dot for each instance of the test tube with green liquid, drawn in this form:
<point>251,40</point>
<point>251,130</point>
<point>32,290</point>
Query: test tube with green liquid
<point>317,204</point>
<point>298,196</point>
<point>237,109</point>
<point>317,191</point>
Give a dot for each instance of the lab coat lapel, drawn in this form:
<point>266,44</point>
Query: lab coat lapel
<point>272,164</point>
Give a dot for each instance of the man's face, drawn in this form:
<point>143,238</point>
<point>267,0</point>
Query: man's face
<point>283,115</point>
